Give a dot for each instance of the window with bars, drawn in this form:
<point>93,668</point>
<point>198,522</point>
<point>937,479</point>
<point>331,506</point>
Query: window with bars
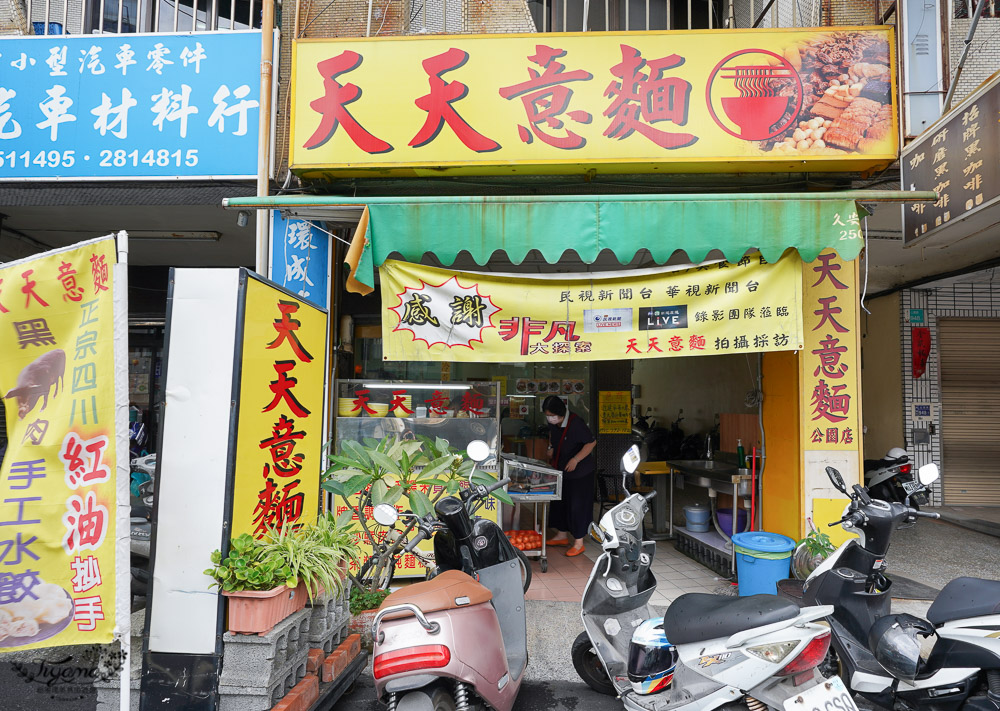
<point>627,15</point>
<point>57,17</point>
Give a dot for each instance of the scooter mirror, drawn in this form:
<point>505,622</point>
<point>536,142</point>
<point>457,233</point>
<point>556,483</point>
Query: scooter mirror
<point>631,459</point>
<point>478,450</point>
<point>385,515</point>
<point>837,480</point>
<point>928,474</point>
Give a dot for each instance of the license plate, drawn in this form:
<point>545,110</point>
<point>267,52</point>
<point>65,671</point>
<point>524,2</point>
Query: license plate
<point>911,486</point>
<point>831,695</point>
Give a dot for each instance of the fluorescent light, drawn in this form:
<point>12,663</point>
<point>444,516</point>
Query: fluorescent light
<point>412,386</point>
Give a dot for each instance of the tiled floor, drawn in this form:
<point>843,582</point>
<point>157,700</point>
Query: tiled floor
<point>675,574</point>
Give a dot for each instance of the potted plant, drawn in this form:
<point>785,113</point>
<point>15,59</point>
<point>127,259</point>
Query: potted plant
<point>269,579</point>
<point>397,472</point>
<point>364,607</point>
<point>810,552</point>
<point>260,588</point>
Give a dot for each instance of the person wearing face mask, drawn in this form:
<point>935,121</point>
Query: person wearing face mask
<point>571,444</point>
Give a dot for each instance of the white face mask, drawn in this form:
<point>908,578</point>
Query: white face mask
<point>553,419</point>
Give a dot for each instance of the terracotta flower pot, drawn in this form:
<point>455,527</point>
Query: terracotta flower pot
<point>257,611</point>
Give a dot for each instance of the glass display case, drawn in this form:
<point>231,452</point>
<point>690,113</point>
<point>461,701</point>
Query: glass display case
<point>531,480</point>
<point>457,412</point>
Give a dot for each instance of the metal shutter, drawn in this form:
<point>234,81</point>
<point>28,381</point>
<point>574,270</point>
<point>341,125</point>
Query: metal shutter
<point>970,411</point>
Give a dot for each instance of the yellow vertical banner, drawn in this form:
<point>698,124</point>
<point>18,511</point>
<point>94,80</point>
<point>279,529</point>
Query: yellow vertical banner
<point>830,383</point>
<point>57,481</point>
<point>613,407</point>
<point>279,435</point>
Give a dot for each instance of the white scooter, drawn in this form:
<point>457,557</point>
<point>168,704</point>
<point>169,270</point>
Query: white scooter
<point>757,652</point>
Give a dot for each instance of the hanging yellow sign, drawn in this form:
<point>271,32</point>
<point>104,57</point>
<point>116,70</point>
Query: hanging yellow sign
<point>613,408</point>
<point>279,436</point>
<point>57,482</point>
<point>437,314</point>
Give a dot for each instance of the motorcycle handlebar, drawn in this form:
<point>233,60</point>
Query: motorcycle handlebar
<point>650,495</point>
<point>499,485</point>
<point>420,535</point>
<point>923,514</point>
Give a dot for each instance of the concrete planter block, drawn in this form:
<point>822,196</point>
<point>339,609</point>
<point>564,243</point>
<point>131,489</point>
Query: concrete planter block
<point>274,648</point>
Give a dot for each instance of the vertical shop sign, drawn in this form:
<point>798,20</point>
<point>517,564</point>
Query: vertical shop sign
<point>300,258</point>
<point>614,406</point>
<point>57,482</point>
<point>830,386</point>
<point>279,435</point>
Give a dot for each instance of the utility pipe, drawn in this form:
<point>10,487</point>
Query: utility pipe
<point>965,55</point>
<point>264,134</point>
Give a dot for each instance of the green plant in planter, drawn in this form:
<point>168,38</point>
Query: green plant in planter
<point>390,471</point>
<point>307,556</point>
<point>810,552</point>
<point>362,600</point>
<point>338,536</point>
<point>249,567</point>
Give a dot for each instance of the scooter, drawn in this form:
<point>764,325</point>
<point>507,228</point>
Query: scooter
<point>758,651</point>
<point>892,478</point>
<point>879,653</point>
<point>460,638</point>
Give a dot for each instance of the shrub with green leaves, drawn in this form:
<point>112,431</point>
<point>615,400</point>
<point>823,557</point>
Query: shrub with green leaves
<point>248,568</point>
<point>393,471</point>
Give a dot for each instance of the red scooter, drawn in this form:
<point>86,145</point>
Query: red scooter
<point>458,639</point>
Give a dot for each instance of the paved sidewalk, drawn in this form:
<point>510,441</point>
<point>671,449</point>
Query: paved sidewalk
<point>982,519</point>
<point>675,575</point>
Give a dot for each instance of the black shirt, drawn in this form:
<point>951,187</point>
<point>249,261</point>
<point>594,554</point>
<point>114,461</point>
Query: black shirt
<point>577,434</point>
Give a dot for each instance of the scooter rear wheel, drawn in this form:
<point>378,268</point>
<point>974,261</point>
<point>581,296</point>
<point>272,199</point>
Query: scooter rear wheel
<point>588,665</point>
<point>525,570</point>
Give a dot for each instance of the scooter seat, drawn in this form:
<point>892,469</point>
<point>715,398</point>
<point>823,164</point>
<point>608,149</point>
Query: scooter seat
<point>694,617</point>
<point>447,591</point>
<point>965,597</point>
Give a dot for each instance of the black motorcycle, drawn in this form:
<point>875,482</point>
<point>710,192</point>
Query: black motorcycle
<point>879,653</point>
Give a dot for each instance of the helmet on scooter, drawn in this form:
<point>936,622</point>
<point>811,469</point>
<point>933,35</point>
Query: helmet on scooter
<point>894,641</point>
<point>896,453</point>
<point>651,658</point>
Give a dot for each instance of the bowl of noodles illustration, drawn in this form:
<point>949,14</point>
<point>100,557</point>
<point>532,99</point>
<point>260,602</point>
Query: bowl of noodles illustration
<point>45,610</point>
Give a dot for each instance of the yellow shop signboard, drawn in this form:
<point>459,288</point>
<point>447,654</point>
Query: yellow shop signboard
<point>437,314</point>
<point>279,436</point>
<point>608,102</point>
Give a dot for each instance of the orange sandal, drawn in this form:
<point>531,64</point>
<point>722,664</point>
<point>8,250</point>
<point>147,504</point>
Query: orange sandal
<point>574,551</point>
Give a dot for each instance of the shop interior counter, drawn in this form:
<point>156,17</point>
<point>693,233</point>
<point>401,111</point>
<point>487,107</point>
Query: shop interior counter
<point>704,473</point>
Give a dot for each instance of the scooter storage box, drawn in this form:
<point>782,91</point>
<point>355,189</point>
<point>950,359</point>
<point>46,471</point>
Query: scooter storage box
<point>697,517</point>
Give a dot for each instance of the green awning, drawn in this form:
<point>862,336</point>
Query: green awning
<point>588,224</point>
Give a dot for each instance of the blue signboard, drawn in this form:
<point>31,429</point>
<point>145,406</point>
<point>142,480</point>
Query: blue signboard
<point>300,258</point>
<point>129,106</point>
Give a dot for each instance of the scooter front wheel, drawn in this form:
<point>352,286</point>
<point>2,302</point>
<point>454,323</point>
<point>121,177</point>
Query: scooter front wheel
<point>588,665</point>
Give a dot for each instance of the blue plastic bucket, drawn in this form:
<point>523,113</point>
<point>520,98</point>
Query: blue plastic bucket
<point>762,559</point>
<point>696,518</point>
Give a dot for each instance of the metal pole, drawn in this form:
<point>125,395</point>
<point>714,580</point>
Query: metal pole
<point>760,17</point>
<point>965,55</point>
<point>47,6</point>
<point>177,8</point>
<point>368,29</point>
<point>586,14</point>
<point>123,616</point>
<point>121,4</point>
<point>264,134</point>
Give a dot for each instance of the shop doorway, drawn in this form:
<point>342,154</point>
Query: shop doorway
<point>970,411</point>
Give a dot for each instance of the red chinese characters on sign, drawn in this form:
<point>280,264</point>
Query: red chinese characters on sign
<point>398,402</point>
<point>437,404</point>
<point>439,108</point>
<point>279,504</point>
<point>546,98</point>
<point>473,403</point>
<point>642,98</point>
<point>829,354</point>
<point>332,106</point>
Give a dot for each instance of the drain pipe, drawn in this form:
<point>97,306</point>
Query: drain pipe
<point>264,134</point>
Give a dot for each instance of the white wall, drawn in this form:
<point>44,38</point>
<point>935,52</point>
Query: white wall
<point>703,386</point>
